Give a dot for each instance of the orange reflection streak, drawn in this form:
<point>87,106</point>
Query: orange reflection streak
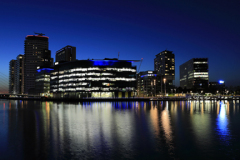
<point>9,105</point>
<point>234,107</point>
<point>4,106</point>
<point>218,106</point>
<point>166,124</point>
<point>48,114</point>
<point>191,109</point>
<point>155,120</point>
<point>227,107</point>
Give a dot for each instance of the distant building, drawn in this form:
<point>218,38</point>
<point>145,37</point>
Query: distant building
<point>12,66</point>
<point>47,60</point>
<point>19,75</point>
<point>67,53</point>
<point>148,83</point>
<point>217,87</point>
<point>93,78</point>
<point>194,74</point>
<point>36,54</point>
<point>164,65</point>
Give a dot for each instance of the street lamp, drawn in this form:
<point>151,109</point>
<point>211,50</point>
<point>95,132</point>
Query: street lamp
<point>154,87</point>
<point>164,80</point>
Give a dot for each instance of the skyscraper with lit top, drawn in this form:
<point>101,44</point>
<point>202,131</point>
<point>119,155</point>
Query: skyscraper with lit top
<point>36,54</point>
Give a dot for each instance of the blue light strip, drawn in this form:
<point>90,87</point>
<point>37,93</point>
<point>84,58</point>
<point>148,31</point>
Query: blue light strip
<point>45,69</point>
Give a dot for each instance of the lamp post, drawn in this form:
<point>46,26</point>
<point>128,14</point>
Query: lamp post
<point>154,87</point>
<point>164,80</point>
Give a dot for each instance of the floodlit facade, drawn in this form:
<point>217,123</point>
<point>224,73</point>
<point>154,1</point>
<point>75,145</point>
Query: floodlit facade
<point>36,54</point>
<point>43,82</point>
<point>164,65</point>
<point>93,78</point>
<point>194,74</point>
<point>67,53</point>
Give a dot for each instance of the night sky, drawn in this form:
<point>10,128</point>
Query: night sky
<point>137,29</point>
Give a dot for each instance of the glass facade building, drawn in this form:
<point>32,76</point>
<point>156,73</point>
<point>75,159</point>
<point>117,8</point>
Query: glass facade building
<point>43,81</point>
<point>148,83</point>
<point>194,74</point>
<point>67,53</point>
<point>93,78</point>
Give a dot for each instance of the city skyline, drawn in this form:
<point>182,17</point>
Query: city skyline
<point>136,30</point>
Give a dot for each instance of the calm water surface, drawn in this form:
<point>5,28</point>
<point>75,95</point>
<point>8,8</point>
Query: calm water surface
<point>119,130</point>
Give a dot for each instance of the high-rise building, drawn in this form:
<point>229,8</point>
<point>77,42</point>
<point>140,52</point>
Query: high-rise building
<point>19,75</point>
<point>67,53</point>
<point>194,74</point>
<point>164,65</point>
<point>36,51</point>
<point>12,66</point>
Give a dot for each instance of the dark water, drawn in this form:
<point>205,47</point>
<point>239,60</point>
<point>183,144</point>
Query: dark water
<point>124,130</point>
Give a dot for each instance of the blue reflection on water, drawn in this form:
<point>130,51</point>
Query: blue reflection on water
<point>222,123</point>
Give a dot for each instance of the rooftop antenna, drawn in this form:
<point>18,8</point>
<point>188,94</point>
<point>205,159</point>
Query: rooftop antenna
<point>40,34</point>
<point>118,55</point>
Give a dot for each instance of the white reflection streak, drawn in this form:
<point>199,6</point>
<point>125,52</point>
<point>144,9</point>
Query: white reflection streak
<point>222,123</point>
<point>166,124</point>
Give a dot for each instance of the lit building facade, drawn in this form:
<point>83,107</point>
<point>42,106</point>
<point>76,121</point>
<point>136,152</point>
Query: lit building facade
<point>93,78</point>
<point>12,66</point>
<point>148,83</point>
<point>43,81</point>
<point>164,65</point>
<point>194,74</point>
<point>67,53</point>
<point>36,51</point>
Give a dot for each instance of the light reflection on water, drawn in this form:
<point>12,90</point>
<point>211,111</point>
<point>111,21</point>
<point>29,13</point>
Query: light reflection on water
<point>222,122</point>
<point>119,130</point>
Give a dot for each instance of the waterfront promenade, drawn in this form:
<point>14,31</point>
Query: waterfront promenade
<point>162,98</point>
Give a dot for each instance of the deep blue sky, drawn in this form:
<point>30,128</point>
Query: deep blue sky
<point>137,29</point>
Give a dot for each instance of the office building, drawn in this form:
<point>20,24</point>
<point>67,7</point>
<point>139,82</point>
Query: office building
<point>43,81</point>
<point>67,53</point>
<point>12,66</point>
<point>93,78</point>
<point>36,51</point>
<point>194,74</point>
<point>148,83</point>
<point>19,75</point>
<point>164,65</point>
